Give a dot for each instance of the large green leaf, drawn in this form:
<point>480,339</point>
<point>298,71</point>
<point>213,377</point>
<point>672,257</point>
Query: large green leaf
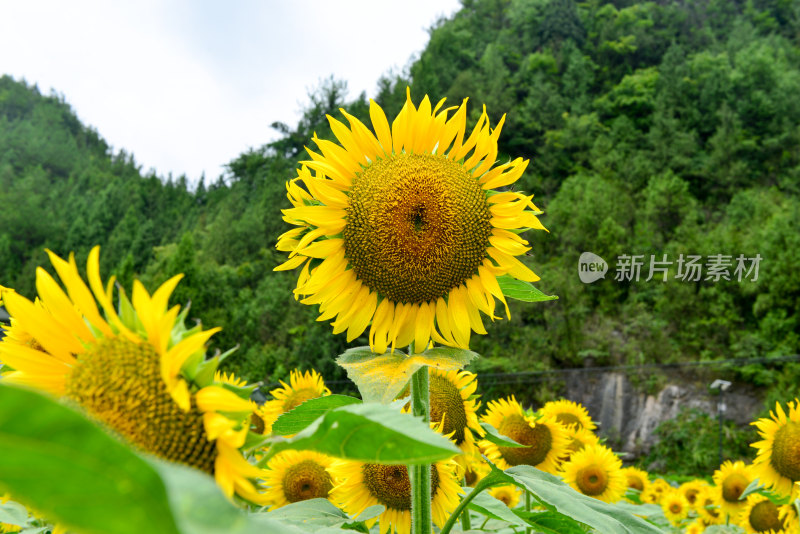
<point>13,513</point>
<point>498,439</point>
<point>303,415</point>
<point>381,377</point>
<point>57,461</point>
<point>487,505</point>
<point>373,433</point>
<point>520,290</point>
<point>555,494</point>
<point>548,522</point>
<point>311,513</point>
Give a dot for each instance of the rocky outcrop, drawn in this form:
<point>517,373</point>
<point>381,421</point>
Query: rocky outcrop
<point>628,416</point>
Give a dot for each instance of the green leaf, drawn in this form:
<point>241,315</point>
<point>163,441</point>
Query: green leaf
<point>306,413</point>
<point>60,463</point>
<point>754,487</point>
<point>558,496</point>
<point>372,433</point>
<point>381,377</point>
<point>497,439</point>
<point>313,513</point>
<point>520,290</point>
<point>485,504</point>
<point>548,522</point>
<point>13,513</point>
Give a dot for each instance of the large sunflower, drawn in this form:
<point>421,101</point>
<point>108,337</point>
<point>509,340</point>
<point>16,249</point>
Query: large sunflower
<point>777,464</point>
<point>546,440</point>
<point>402,228</point>
<point>730,480</point>
<point>760,515</point>
<point>597,472</point>
<point>134,370</point>
<point>365,485</point>
<point>294,476</point>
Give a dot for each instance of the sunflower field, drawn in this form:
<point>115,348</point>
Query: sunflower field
<point>408,231</point>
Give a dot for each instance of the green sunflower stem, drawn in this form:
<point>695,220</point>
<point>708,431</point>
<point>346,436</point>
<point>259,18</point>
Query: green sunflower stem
<point>466,523</point>
<point>528,530</point>
<point>420,474</point>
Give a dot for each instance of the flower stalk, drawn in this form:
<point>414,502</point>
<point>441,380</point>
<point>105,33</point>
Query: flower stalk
<point>420,474</point>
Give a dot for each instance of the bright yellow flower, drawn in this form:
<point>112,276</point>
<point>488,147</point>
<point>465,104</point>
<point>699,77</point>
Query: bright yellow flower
<point>569,414</point>
<point>691,490</point>
<point>597,472</point>
<point>546,440</point>
<point>760,515</point>
<point>653,493</point>
<point>365,485</point>
<point>452,404</point>
<point>708,506</point>
<point>402,228</point>
<point>636,478</point>
<point>675,506</point>
<point>294,476</point>
<point>301,387</point>
<point>777,464</point>
<point>731,479</point>
<point>127,369</point>
<point>508,493</point>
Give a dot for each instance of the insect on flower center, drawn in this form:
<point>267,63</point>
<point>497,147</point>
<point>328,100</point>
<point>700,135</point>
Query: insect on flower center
<point>786,451</point>
<point>446,402</point>
<point>733,486</point>
<point>306,480</point>
<point>592,480</point>
<point>418,225</point>
<point>119,383</point>
<point>538,439</point>
<point>391,485</point>
<point>764,517</point>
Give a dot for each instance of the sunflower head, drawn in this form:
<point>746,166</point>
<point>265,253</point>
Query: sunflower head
<point>675,506</point>
<point>136,369</point>
<point>545,440</point>
<point>708,506</point>
<point>509,494</point>
<point>569,414</point>
<point>401,228</point>
<point>294,476</point>
<point>777,463</point>
<point>731,479</point>
<point>759,514</point>
<point>691,491</point>
<point>597,472</point>
<point>301,387</point>
<point>365,485</point>
<point>636,478</point>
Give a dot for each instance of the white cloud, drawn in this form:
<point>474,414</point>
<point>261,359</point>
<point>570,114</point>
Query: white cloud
<point>188,85</point>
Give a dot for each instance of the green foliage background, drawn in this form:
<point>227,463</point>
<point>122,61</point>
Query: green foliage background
<point>652,128</point>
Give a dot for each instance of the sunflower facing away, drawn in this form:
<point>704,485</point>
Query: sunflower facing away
<point>569,414</point>
<point>402,228</point>
<point>133,369</point>
<point>546,440</point>
<point>597,472</point>
<point>365,485</point>
<point>777,462</point>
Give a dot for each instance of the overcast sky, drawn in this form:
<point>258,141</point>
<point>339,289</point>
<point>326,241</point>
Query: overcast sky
<point>188,85</point>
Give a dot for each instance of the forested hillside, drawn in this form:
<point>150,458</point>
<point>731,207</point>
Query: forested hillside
<point>657,128</point>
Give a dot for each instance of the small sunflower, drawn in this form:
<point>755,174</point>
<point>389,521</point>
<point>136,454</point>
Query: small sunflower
<point>676,507</point>
<point>365,485</point>
<point>301,387</point>
<point>402,228</point>
<point>597,472</point>
<point>691,490</point>
<point>508,493</point>
<point>636,478</point>
<point>579,437</point>
<point>545,439</point>
<point>475,468</point>
<point>569,414</point>
<point>777,464</point>
<point>696,527</point>
<point>294,476</point>
<point>759,514</point>
<point>708,507</point>
<point>731,479</point>
<point>135,371</point>
<point>655,491</point>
